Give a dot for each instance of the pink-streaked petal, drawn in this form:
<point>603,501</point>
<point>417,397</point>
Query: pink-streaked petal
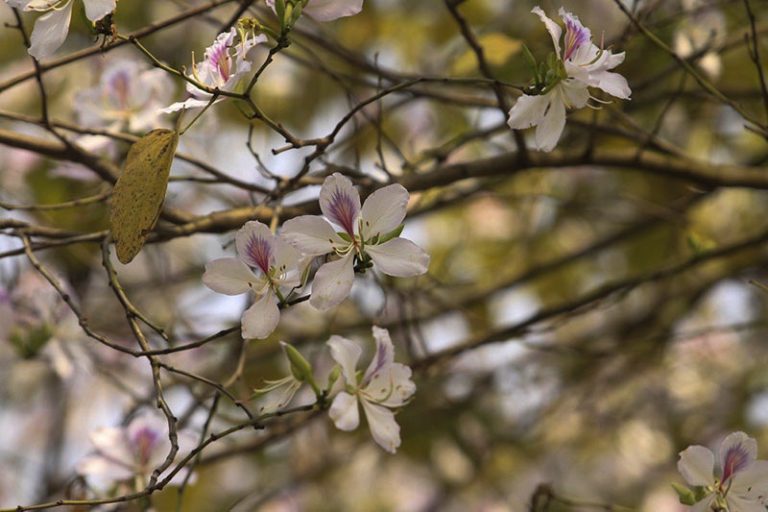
<point>344,412</point>
<point>384,210</point>
<point>261,319</point>
<point>340,202</point>
<point>697,465</point>
<point>255,245</point>
<point>399,258</point>
<point>737,452</point>
<point>97,9</point>
<point>329,10</point>
<point>229,276</point>
<point>549,130</point>
<point>527,111</point>
<point>553,28</point>
<point>385,353</point>
<point>50,32</point>
<point>346,353</point>
<point>384,428</point>
<point>148,438</point>
<point>576,34</point>
<point>333,283</point>
<point>311,234</point>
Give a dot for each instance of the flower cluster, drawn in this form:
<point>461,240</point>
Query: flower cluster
<point>737,483</point>
<point>271,266</point>
<point>564,82</point>
<point>52,27</point>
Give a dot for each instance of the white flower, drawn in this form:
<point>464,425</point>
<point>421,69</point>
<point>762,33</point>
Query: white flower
<point>224,66</point>
<point>276,268</point>
<point>583,65</point>
<point>51,28</point>
<point>738,484</point>
<point>367,235</point>
<point>127,96</point>
<point>385,385</point>
<point>328,10</point>
<point>124,453</point>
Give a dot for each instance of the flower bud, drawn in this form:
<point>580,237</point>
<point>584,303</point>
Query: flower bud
<point>300,367</point>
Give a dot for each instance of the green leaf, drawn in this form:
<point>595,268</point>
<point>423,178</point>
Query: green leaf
<point>138,196</point>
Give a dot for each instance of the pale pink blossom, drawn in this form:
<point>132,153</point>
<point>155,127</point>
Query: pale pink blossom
<point>583,65</point>
<point>368,234</point>
<point>737,483</point>
<point>225,65</point>
<point>384,386</point>
<point>266,266</point>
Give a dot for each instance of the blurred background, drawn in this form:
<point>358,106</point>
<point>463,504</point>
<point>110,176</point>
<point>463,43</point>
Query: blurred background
<point>608,313</point>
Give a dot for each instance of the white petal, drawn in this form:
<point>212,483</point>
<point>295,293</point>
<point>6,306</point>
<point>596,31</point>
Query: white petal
<point>391,387</point>
<point>739,504</point>
<point>286,263</point>
<point>188,104</point>
<point>549,130</point>
<point>102,472</point>
<point>399,257</point>
<point>112,443</point>
<point>697,465</point>
<point>553,28</point>
<point>340,202</point>
<point>261,319</point>
<point>612,83</point>
<point>384,210</point>
<point>328,10</point>
<point>50,32</point>
<point>384,428</point>
<point>752,480</point>
<point>229,276</point>
<point>344,412</point>
<point>575,93</point>
<point>527,111</point>
<point>311,234</point>
<point>97,9</point>
<point>346,353</point>
<point>333,283</point>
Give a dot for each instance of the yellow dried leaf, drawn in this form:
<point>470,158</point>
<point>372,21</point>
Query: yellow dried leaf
<point>137,198</point>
